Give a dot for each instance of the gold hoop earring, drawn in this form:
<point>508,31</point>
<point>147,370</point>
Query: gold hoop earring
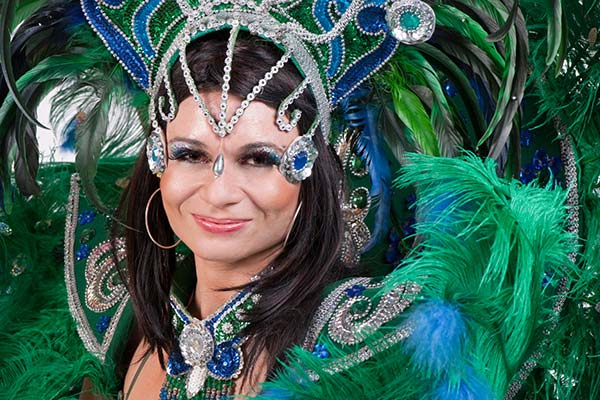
<point>148,229</point>
<point>292,224</point>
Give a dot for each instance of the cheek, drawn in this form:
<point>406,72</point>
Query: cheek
<point>276,196</point>
<point>173,191</point>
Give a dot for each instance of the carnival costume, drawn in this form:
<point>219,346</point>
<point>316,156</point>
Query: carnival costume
<point>487,241</point>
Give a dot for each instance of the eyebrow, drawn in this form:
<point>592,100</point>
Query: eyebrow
<point>193,142</point>
<point>258,145</point>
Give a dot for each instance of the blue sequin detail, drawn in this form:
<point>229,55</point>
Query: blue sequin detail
<point>164,394</point>
<point>140,26</point>
<point>118,43</point>
<point>372,20</point>
<point>226,359</point>
<point>336,49</point>
<point>102,324</point>
<point>355,291</point>
<point>182,316</point>
<point>300,160</point>
<point>86,217</point>
<point>320,350</point>
<point>176,364</point>
<point>83,252</point>
<point>362,69</point>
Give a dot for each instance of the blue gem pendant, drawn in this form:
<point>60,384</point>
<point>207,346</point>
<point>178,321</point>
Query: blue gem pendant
<point>411,21</point>
<point>298,159</point>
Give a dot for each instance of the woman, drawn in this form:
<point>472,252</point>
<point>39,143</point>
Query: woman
<point>249,226</point>
<point>237,166</point>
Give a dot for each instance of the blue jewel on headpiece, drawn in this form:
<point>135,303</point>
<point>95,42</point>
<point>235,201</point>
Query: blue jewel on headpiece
<point>355,290</point>
<point>298,160</point>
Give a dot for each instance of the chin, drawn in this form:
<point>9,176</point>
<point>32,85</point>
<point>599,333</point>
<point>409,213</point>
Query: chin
<point>228,251</point>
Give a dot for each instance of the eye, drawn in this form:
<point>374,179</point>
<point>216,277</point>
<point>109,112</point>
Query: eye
<point>260,158</point>
<point>179,153</point>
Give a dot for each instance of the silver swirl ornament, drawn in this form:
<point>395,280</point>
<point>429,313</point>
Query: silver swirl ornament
<point>104,287</point>
<point>356,318</point>
<point>411,21</point>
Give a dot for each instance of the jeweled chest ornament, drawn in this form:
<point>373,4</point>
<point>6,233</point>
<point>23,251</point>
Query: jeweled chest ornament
<point>209,349</point>
<point>335,44</point>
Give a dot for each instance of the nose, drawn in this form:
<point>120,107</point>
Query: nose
<point>224,190</point>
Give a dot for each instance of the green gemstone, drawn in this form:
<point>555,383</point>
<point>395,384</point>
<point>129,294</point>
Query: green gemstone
<point>409,21</point>
<point>360,199</point>
<point>87,235</point>
<point>359,307</point>
<point>358,165</point>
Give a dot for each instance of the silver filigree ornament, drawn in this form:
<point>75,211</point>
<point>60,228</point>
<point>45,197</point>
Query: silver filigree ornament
<point>197,347</point>
<point>411,21</point>
<point>298,159</point>
<point>356,232</point>
<point>155,152</point>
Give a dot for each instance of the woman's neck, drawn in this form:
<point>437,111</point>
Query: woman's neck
<point>213,276</point>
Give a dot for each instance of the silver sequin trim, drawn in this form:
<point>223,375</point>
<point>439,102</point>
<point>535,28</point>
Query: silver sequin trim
<point>83,326</point>
<point>568,159</point>
<point>326,310</point>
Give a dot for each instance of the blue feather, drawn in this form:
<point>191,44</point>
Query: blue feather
<point>277,393</point>
<point>370,147</point>
<point>473,388</point>
<point>438,338</point>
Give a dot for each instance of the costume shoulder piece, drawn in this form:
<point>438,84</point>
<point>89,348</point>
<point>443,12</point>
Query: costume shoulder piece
<point>460,316</point>
<point>353,311</point>
<point>42,355</point>
<point>98,298</point>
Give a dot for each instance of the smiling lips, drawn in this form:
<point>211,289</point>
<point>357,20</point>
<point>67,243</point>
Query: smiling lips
<point>218,225</point>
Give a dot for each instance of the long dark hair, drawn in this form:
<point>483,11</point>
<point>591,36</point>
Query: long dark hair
<point>292,290</point>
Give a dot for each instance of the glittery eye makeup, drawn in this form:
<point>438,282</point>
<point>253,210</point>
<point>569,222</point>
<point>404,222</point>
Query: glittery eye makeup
<point>260,156</point>
<point>179,151</point>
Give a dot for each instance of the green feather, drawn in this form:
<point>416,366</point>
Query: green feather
<point>411,112</point>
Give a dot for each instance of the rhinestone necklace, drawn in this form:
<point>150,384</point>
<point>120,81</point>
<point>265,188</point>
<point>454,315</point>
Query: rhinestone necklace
<point>209,356</point>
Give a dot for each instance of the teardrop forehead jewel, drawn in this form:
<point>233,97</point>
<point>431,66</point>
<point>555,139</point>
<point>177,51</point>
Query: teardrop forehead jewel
<point>336,45</point>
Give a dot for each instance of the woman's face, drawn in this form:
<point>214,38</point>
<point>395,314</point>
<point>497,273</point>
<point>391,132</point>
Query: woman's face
<point>244,214</point>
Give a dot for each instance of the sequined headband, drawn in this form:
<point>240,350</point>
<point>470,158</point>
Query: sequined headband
<point>336,45</point>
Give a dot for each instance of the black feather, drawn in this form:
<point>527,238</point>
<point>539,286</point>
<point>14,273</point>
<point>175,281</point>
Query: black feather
<point>6,18</point>
<point>508,24</point>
